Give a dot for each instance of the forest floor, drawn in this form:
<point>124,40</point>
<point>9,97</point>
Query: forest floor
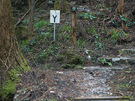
<point>99,32</point>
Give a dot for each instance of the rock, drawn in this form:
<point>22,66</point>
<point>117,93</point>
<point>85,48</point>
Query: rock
<point>90,54</point>
<point>69,58</point>
<point>52,92</point>
<point>59,72</point>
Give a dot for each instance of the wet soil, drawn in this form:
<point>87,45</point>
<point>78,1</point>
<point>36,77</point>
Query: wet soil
<point>64,85</point>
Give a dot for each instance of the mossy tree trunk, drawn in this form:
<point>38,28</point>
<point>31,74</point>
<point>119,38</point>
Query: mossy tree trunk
<point>6,37</point>
<point>62,5</point>
<point>10,57</point>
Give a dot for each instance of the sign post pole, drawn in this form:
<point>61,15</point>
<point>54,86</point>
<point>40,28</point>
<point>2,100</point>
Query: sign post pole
<point>54,31</point>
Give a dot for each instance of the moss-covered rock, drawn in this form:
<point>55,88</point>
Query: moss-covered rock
<point>69,58</point>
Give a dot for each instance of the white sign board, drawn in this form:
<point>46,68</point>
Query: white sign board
<point>54,16</point>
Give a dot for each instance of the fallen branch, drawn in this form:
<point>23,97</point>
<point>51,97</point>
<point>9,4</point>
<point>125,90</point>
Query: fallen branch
<point>22,17</point>
<point>18,22</point>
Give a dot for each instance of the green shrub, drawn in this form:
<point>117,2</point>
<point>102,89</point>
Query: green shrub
<point>117,34</point>
<point>87,16</point>
<point>80,43</point>
<point>126,21</point>
<point>40,24</point>
<point>44,54</point>
<point>103,61</point>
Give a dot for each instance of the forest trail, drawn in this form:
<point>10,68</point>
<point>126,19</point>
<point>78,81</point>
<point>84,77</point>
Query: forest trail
<point>84,83</point>
<point>94,82</point>
<point>91,82</point>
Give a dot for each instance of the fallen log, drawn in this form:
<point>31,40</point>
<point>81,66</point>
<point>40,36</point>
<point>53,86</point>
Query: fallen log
<point>99,98</point>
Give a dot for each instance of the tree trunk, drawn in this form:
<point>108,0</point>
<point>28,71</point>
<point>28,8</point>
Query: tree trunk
<point>31,16</point>
<point>120,7</point>
<point>73,26</point>
<point>6,39</point>
<point>63,6</point>
<point>10,56</point>
<point>46,4</point>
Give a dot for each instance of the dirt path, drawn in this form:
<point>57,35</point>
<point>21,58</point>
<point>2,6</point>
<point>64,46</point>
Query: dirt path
<point>65,85</point>
<point>84,83</point>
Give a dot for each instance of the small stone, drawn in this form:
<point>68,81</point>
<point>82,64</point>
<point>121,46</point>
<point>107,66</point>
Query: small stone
<point>115,59</point>
<point>89,57</point>
<point>52,92</point>
<point>59,72</point>
<point>19,74</point>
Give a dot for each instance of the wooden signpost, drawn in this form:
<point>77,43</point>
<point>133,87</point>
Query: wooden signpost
<point>73,23</point>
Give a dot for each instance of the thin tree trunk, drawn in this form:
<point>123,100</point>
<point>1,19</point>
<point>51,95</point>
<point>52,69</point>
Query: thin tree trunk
<point>73,26</point>
<point>120,7</point>
<point>19,21</point>
<point>31,23</point>
<point>63,6</point>
<point>46,4</point>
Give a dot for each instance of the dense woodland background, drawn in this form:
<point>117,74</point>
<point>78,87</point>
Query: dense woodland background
<point>28,54</point>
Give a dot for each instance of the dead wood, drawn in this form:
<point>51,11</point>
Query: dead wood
<point>18,22</point>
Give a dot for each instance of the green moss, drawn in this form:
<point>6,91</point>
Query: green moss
<point>9,87</point>
<point>64,6</point>
<point>72,57</point>
<point>12,78</point>
<point>24,64</point>
<point>60,58</point>
<point>56,5</point>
